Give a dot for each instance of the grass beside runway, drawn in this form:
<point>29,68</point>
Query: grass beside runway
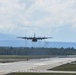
<point>23,56</point>
<point>39,74</point>
<point>14,58</point>
<point>66,67</point>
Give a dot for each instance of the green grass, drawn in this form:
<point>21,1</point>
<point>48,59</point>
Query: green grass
<point>14,58</point>
<point>38,74</point>
<point>66,67</point>
<point>22,56</point>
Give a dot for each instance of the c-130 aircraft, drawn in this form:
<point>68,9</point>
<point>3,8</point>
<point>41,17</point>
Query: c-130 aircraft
<point>34,39</point>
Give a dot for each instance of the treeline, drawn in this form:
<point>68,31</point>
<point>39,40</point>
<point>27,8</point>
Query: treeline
<point>36,51</point>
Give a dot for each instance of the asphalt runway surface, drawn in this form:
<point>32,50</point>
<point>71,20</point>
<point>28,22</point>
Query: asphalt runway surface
<point>35,65</point>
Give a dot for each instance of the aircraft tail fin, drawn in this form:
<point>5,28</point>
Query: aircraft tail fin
<point>34,34</point>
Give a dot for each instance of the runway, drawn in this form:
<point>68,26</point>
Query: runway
<point>34,65</point>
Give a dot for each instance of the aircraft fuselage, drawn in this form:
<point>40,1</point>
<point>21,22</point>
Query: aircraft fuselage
<point>34,40</point>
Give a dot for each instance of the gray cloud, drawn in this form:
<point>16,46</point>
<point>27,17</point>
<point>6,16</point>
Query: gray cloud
<point>20,16</point>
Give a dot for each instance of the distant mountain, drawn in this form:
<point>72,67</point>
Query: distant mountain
<point>22,43</point>
<point>10,40</point>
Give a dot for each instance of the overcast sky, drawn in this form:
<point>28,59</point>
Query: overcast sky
<point>55,18</point>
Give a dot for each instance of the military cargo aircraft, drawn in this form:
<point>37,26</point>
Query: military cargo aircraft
<point>34,39</point>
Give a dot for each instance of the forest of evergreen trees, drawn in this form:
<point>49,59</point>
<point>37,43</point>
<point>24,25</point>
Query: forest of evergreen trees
<point>36,51</point>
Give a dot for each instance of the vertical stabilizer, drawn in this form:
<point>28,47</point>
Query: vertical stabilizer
<point>34,34</point>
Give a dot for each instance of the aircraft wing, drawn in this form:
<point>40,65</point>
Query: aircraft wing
<point>43,38</point>
<point>38,38</point>
<point>25,38</point>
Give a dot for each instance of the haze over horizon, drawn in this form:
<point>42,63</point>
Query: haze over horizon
<point>56,18</point>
